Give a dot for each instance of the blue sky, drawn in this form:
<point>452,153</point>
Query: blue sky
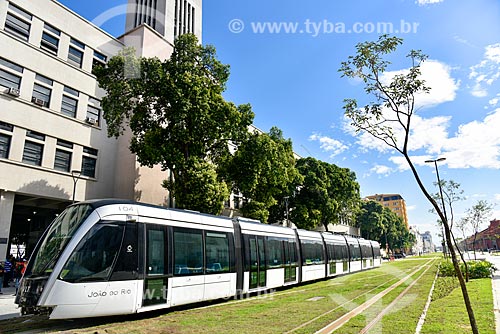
<point>292,82</point>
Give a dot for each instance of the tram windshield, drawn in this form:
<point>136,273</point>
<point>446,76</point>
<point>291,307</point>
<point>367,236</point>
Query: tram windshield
<point>60,233</point>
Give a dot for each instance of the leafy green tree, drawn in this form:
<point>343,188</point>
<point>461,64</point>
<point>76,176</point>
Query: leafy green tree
<point>389,116</point>
<point>476,216</point>
<point>177,116</point>
<point>262,170</point>
<point>371,221</point>
<point>325,192</point>
<point>377,222</point>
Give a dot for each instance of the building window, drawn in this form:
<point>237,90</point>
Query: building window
<point>4,146</point>
<point>6,126</point>
<point>75,54</point>
<point>7,78</point>
<point>64,143</point>
<point>50,39</point>
<point>99,59</point>
<point>18,22</point>
<point>33,153</point>
<point>89,161</point>
<point>42,91</point>
<point>93,115</point>
<point>69,105</point>
<point>94,111</point>
<point>62,160</point>
<point>35,135</point>
<point>88,166</point>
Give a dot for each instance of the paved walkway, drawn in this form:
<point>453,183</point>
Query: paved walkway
<point>496,289</point>
<point>7,307</point>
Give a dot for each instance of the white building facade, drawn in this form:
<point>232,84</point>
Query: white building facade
<point>53,139</point>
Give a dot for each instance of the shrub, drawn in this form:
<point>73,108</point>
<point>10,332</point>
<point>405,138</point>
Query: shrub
<point>477,269</point>
<point>480,269</point>
<point>443,287</point>
<point>446,269</point>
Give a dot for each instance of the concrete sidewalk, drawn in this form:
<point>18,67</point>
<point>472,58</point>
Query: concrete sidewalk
<point>7,307</point>
<point>495,283</point>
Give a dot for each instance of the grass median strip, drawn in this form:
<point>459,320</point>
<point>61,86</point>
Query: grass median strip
<point>455,320</point>
<point>362,319</point>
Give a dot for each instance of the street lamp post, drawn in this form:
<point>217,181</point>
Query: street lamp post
<point>75,175</point>
<point>435,161</point>
<point>286,210</point>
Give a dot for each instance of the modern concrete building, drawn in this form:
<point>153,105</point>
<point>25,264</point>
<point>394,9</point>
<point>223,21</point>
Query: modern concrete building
<point>418,246</point>
<point>53,141</point>
<point>394,202</point>
<point>428,246</point>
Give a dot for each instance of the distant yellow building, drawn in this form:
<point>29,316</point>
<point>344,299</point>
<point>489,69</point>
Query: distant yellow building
<point>394,202</point>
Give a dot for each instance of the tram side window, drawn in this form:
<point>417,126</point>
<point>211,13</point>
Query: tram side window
<point>274,253</point>
<point>93,258</point>
<point>376,252</point>
<point>355,252</point>
<point>188,252</point>
<point>156,251</point>
<point>366,252</point>
<point>341,253</point>
<point>217,252</point>
<point>331,252</point>
<point>294,258</point>
<point>127,267</point>
<point>313,253</point>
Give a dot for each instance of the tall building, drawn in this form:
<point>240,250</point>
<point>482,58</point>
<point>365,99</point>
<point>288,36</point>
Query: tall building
<point>394,202</point>
<point>53,140</point>
<point>428,245</point>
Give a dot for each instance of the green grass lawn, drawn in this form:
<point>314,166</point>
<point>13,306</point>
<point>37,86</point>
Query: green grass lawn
<point>302,309</point>
<point>448,314</point>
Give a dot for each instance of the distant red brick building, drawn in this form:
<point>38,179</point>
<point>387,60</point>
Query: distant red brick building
<point>486,239</point>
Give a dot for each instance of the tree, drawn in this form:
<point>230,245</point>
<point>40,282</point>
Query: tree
<point>380,223</point>
<point>324,196</point>
<point>389,117</point>
<point>177,116</point>
<point>371,221</point>
<point>462,226</point>
<point>262,170</point>
<point>476,216</point>
<point>452,193</point>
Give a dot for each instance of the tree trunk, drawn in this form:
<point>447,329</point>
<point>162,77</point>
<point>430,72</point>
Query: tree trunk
<point>462,257</point>
<point>458,272</point>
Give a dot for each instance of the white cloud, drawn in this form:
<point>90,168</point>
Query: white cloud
<point>493,102</point>
<point>427,2</point>
<point>497,197</point>
<point>437,77</point>
<point>476,144</point>
<point>328,144</point>
<point>411,208</point>
<point>381,170</point>
<point>486,72</point>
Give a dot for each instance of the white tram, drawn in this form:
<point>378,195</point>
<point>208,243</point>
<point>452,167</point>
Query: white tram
<point>114,257</point>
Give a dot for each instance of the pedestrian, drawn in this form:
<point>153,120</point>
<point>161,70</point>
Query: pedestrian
<point>18,274</point>
<point>7,268</point>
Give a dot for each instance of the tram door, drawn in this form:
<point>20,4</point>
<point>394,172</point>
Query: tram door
<point>156,279</point>
<point>290,252</point>
<point>257,262</point>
